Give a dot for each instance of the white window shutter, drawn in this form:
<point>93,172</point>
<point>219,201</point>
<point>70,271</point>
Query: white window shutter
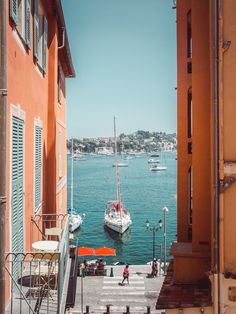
<point>38,168</point>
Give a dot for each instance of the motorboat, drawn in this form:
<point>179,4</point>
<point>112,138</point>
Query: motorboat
<point>158,168</point>
<point>153,161</point>
<point>116,217</point>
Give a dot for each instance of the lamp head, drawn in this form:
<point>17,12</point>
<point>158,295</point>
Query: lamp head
<point>160,223</point>
<point>165,209</point>
<point>147,223</point>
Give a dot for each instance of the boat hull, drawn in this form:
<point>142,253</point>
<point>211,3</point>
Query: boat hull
<point>116,226</point>
<point>160,168</point>
<point>75,223</point>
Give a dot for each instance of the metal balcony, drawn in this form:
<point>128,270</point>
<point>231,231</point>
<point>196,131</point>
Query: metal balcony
<point>39,280</point>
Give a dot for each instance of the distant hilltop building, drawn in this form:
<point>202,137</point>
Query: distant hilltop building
<point>104,150</point>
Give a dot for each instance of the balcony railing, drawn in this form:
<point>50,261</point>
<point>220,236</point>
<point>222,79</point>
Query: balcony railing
<point>39,280</point>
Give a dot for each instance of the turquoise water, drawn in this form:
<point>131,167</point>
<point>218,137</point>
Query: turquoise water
<point>144,194</point>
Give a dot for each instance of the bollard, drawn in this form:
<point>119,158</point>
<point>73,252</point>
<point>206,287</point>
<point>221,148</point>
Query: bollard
<point>87,309</point>
<point>148,310</point>
<point>108,309</point>
<point>111,273</point>
<point>127,310</point>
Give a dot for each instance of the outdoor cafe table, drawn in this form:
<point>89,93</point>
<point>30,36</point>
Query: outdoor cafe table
<point>46,245</point>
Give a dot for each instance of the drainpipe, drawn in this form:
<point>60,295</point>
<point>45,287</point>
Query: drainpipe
<point>215,76</point>
<point>3,94</point>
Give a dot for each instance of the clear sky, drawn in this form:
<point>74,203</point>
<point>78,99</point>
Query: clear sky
<point>124,53</point>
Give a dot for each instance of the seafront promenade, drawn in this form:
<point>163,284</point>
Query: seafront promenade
<point>98,292</point>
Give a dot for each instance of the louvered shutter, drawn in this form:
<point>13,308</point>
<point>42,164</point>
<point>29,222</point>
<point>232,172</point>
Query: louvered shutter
<point>60,154</point>
<point>36,29</point>
<point>45,43</point>
<point>17,221</point>
<point>38,167</point>
<point>27,21</point>
<point>14,10</point>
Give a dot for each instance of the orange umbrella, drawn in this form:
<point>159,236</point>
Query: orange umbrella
<point>105,251</point>
<point>84,251</point>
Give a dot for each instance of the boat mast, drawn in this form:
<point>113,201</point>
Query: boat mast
<point>71,176</point>
<point>117,169</point>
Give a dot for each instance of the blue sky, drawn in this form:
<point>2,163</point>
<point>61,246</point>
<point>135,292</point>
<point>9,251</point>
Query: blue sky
<point>124,53</point>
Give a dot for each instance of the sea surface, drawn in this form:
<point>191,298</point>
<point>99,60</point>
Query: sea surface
<point>144,194</point>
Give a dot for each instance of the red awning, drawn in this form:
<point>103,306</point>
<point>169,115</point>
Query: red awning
<point>105,251</point>
<point>85,251</point>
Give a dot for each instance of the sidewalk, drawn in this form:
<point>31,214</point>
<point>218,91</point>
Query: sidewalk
<point>98,292</point>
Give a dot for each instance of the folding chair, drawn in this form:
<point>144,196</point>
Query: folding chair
<point>46,272</point>
<point>53,232</point>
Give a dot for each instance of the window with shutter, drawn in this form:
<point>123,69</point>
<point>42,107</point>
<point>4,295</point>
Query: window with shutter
<point>17,189</point>
<point>14,11</point>
<point>45,44</point>
<point>60,153</point>
<point>27,21</point>
<point>38,168</point>
<point>36,29</point>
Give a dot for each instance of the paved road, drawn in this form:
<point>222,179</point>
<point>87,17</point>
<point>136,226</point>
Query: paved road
<point>101,291</point>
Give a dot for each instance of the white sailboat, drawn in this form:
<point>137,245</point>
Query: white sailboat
<point>75,219</point>
<point>116,217</point>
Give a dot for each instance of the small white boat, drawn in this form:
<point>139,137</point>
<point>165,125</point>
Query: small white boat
<point>153,161</point>
<point>120,164</point>
<point>158,168</point>
<point>75,222</point>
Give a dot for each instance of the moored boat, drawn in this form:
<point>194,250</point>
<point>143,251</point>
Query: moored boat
<point>76,219</point>
<point>116,217</point>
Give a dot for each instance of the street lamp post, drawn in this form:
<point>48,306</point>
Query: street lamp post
<point>153,229</point>
<point>165,209</point>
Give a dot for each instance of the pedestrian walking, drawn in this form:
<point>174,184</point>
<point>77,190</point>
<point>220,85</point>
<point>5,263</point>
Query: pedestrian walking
<point>125,274</point>
<point>154,268</point>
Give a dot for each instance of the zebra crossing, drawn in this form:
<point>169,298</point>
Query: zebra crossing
<point>105,295</point>
<point>133,295</point>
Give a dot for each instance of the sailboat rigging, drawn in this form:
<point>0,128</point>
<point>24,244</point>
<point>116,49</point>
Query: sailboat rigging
<point>116,216</point>
<point>75,219</point>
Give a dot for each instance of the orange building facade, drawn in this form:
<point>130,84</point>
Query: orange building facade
<point>201,278</point>
<point>38,62</point>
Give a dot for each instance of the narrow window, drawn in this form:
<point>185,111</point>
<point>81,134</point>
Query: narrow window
<point>190,195</point>
<point>40,36</point>
<point>189,35</point>
<point>190,114</point>
<point>59,84</point>
<point>60,153</point>
<point>38,168</point>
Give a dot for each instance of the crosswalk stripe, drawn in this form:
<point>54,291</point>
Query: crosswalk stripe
<point>121,277</point>
<point>109,300</point>
<point>123,288</point>
<point>124,293</point>
<point>130,282</point>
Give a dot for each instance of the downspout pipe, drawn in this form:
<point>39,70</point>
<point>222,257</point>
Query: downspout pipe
<point>3,96</point>
<point>215,76</point>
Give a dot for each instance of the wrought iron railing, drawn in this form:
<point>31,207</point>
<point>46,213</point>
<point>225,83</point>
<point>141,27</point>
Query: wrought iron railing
<point>39,280</point>
<point>41,222</point>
